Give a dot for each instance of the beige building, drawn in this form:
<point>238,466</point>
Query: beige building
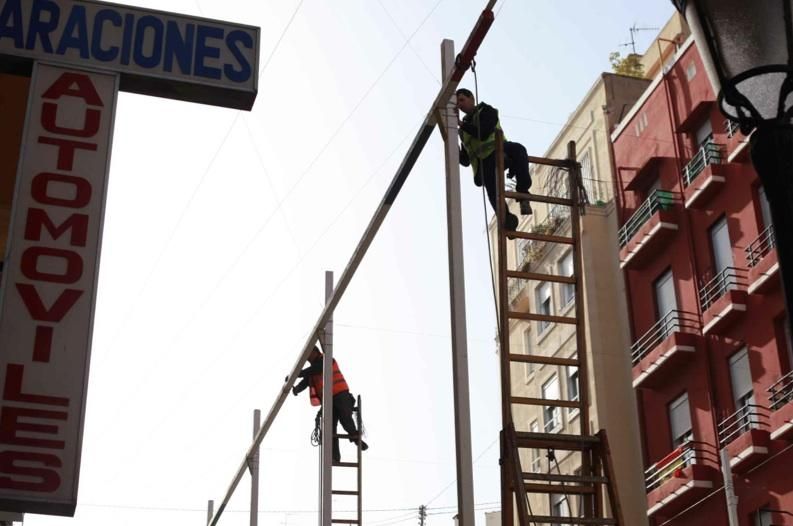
<point>612,403</point>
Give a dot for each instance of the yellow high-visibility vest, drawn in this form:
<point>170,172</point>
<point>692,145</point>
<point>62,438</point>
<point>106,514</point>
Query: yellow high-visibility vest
<point>479,149</point>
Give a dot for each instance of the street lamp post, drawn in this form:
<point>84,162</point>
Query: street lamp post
<point>747,47</point>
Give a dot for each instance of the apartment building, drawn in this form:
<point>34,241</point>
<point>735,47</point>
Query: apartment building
<point>612,404</point>
<point>710,347</point>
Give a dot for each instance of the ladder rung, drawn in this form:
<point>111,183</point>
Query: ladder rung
<point>540,237</point>
<point>558,489</point>
<point>539,198</point>
<point>342,436</point>
<point>545,402</point>
<point>564,442</point>
<point>571,479</point>
<point>540,277</point>
<point>346,464</point>
<point>543,360</point>
<point>344,521</point>
<point>544,519</point>
<point>542,317</point>
<point>343,492</point>
<point>545,161</point>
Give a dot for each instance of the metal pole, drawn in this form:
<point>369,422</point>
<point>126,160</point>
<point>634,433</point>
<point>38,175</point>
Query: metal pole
<point>210,510</point>
<point>729,488</point>
<point>326,484</point>
<point>462,404</point>
<point>255,472</point>
<point>420,140</point>
<point>360,463</point>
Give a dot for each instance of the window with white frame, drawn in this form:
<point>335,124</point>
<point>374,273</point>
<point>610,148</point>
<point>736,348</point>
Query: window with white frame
<point>680,421</point>
<point>559,505</point>
<point>572,389</point>
<point>567,290</point>
<point>542,299</point>
<point>534,455</point>
<point>551,414</point>
<point>742,391</point>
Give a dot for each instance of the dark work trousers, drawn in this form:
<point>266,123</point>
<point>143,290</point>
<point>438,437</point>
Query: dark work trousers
<point>343,404</point>
<point>518,164</point>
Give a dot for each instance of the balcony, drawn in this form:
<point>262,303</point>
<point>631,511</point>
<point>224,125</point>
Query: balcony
<point>745,435</point>
<point>681,478</point>
<point>723,300</point>
<point>780,397</point>
<point>761,258</point>
<point>647,231</point>
<point>704,175</point>
<point>736,143</point>
<point>667,345</point>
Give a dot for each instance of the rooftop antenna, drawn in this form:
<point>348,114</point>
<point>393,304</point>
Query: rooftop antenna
<point>634,29</point>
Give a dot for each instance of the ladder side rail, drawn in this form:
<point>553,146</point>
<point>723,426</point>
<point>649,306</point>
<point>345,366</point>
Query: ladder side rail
<point>510,448</point>
<point>360,462</point>
<point>574,178</point>
<point>326,456</point>
<point>419,141</point>
<point>608,471</point>
<point>516,471</point>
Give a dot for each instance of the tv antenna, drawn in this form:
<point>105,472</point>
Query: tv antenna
<point>634,29</point>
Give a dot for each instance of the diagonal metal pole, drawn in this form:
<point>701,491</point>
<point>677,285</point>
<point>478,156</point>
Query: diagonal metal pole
<point>454,227</point>
<point>448,87</point>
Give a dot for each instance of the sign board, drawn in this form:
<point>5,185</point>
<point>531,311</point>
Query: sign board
<point>49,286</point>
<point>157,53</point>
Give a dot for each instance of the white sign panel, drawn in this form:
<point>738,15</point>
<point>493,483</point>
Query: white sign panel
<point>49,286</point>
<point>157,53</point>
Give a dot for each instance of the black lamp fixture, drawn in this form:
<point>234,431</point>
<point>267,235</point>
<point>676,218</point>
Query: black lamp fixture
<point>747,48</point>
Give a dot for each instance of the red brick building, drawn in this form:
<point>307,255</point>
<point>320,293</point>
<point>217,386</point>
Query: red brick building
<point>711,355</point>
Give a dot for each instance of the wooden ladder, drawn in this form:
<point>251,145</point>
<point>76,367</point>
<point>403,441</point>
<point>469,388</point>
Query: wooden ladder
<point>519,487</point>
<point>357,465</point>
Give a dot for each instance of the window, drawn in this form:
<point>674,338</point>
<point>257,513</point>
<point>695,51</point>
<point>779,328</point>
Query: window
<point>703,134</point>
<point>680,421</point>
<point>588,178</point>
<point>720,246</point>
<point>551,414</point>
<point>572,390</point>
<point>534,454</point>
<point>691,70</point>
<point>542,296</point>
<point>762,517</point>
<point>665,303</point>
<point>567,290</point>
<point>742,392</point>
<point>765,208</point>
<point>559,506</point>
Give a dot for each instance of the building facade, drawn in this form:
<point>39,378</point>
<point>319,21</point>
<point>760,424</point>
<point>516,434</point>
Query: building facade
<point>611,398</point>
<point>710,348</point>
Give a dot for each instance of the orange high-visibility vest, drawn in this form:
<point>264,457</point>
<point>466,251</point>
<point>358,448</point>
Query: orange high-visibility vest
<point>316,383</point>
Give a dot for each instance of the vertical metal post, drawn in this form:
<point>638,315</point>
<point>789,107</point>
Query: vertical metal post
<point>729,488</point>
<point>462,409</point>
<point>255,472</point>
<point>360,463</point>
<point>210,510</point>
<point>507,452</point>
<point>327,411</point>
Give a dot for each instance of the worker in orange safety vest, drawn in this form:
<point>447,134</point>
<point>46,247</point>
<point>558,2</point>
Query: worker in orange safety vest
<point>343,401</point>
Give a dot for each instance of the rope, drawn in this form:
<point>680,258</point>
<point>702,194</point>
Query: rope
<point>316,434</point>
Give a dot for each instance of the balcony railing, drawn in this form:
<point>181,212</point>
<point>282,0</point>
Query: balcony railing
<point>748,416</point>
<point>709,153</point>
<point>731,128</point>
<point>658,200</point>
<point>672,321</point>
<point>730,278</point>
<point>781,392</point>
<point>760,247</point>
<point>692,452</point>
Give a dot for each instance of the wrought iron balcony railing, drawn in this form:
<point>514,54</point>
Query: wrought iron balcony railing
<point>709,153</point>
<point>748,416</point>
<point>692,452</point>
<point>731,128</point>
<point>760,247</point>
<point>781,392</point>
<point>731,278</point>
<point>672,321</point>
<point>658,200</point>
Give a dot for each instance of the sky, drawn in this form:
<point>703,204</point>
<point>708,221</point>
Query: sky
<point>219,226</point>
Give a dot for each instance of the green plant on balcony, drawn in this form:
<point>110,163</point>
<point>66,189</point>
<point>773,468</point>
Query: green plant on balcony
<point>534,249</point>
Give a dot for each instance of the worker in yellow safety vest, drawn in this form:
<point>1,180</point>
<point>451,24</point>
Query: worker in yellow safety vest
<point>343,401</point>
<point>478,136</point>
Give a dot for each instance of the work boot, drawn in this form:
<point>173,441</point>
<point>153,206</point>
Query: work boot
<point>356,438</point>
<point>525,207</point>
<point>511,224</point>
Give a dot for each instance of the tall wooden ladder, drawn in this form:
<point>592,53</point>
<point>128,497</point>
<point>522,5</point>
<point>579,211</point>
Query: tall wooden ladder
<point>357,465</point>
<point>521,487</point>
